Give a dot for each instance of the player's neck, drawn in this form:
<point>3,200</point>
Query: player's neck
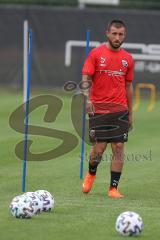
<point>112,48</point>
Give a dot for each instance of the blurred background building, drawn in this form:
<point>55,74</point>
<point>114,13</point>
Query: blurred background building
<point>59,32</point>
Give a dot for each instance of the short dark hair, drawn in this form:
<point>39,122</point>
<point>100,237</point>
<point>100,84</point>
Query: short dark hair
<point>117,23</point>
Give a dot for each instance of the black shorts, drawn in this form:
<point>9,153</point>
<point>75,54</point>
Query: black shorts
<point>112,127</point>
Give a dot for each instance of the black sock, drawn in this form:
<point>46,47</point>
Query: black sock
<point>93,163</point>
<point>115,176</point>
<point>92,169</point>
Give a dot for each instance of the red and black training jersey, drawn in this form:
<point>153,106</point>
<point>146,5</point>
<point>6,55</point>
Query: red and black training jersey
<point>109,70</point>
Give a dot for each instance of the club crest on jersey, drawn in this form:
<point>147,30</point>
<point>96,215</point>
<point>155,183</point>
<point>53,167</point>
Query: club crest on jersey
<point>125,63</point>
<point>102,61</point>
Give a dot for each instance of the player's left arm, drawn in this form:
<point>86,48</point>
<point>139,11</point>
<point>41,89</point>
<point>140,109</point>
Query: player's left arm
<point>129,95</point>
<point>129,90</point>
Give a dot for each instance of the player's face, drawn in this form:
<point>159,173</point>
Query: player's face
<point>116,37</point>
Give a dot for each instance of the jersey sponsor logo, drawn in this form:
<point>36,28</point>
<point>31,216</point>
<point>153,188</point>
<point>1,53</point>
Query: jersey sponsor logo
<point>125,63</point>
<point>113,73</point>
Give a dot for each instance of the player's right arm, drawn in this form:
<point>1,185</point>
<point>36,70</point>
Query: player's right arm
<point>87,75</point>
<point>87,82</point>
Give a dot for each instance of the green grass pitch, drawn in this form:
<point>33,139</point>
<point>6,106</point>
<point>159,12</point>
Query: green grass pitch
<point>77,216</point>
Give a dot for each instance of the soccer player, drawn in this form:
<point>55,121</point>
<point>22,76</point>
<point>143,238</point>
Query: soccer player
<point>109,69</point>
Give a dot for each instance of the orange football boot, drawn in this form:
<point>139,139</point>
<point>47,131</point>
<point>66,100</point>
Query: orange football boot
<point>88,182</point>
<point>114,193</point>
